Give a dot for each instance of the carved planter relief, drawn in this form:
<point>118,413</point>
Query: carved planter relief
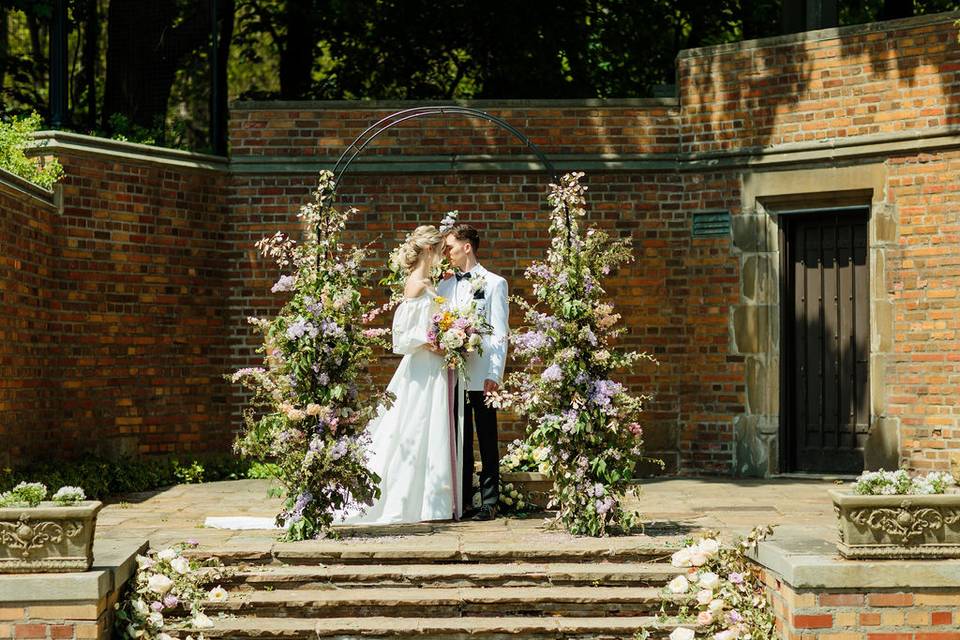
<point>906,526</point>
<point>47,538</point>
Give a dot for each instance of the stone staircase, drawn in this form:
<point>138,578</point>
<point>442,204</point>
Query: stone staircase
<point>392,588</point>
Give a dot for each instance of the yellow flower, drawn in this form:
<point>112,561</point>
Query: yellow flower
<point>440,300</point>
<point>446,321</point>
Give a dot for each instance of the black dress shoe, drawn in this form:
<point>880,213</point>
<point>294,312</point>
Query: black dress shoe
<point>486,512</point>
<point>469,513</point>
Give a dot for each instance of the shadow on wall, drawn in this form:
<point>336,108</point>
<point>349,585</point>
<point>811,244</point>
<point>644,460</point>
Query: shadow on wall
<point>882,78</point>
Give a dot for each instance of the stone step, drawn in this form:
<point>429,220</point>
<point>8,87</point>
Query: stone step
<point>488,628</point>
<point>442,602</point>
<point>452,575</point>
<point>373,551</point>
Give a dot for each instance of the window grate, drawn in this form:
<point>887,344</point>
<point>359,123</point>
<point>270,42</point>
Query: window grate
<point>711,224</point>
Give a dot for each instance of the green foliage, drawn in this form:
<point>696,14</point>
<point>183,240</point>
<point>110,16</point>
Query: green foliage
<point>25,494</point>
<point>101,478</point>
<point>16,135</point>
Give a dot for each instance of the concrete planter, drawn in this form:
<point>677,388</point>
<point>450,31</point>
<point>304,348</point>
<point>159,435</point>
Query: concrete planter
<point>47,538</point>
<point>535,486</point>
<point>907,526</point>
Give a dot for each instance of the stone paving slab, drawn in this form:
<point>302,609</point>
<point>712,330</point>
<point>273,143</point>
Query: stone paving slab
<point>671,507</point>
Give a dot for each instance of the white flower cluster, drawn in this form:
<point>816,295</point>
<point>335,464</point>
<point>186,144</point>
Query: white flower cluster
<point>167,581</point>
<point>69,495</point>
<point>899,482</point>
<point>31,494</point>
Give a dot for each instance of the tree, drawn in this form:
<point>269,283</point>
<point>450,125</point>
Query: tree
<point>149,40</point>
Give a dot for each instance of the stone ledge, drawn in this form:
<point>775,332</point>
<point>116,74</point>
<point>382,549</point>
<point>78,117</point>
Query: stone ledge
<point>804,561</point>
<point>114,562</point>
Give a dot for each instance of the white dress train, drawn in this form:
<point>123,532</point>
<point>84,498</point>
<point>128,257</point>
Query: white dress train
<point>410,448</point>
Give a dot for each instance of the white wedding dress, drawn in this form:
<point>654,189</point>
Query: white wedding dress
<point>410,448</point>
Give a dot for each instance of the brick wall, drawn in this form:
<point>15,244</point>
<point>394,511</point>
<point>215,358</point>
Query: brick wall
<point>74,621</point>
<point>153,270</point>
<point>27,385</point>
<point>922,614</point>
<point>924,282</point>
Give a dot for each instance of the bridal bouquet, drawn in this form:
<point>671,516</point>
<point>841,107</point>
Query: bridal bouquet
<point>458,332</point>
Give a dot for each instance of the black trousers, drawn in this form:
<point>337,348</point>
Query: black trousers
<point>477,416</point>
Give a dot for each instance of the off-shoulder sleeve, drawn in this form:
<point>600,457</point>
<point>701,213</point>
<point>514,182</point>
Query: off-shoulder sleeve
<point>410,322</point>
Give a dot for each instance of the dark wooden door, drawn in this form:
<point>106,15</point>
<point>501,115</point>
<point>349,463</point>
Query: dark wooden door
<point>827,342</point>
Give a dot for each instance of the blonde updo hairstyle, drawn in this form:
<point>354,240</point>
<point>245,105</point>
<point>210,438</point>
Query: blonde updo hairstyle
<point>405,257</point>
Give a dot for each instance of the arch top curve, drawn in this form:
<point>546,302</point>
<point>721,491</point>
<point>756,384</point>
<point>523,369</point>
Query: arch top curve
<point>386,123</point>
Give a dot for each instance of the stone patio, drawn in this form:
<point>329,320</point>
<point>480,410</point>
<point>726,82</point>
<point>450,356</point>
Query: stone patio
<point>671,506</point>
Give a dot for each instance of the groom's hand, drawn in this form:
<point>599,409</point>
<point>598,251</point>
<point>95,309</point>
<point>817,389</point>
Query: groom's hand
<point>489,386</point>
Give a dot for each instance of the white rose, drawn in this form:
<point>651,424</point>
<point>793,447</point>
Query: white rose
<point>680,584</point>
<point>682,633</point>
<point>155,619</point>
<point>159,584</point>
<point>704,596</point>
<point>181,565</point>
<point>164,636</point>
<point>708,546</point>
<point>141,607</point>
<point>709,580</point>
<point>167,554</point>
<point>726,634</point>
<point>133,632</point>
<point>681,558</point>
<point>143,562</point>
<point>201,621</point>
<point>704,618</point>
<point>698,558</point>
<point>716,605</point>
<point>218,594</point>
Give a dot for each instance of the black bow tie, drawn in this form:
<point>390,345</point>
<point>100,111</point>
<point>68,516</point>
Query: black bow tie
<point>461,276</point>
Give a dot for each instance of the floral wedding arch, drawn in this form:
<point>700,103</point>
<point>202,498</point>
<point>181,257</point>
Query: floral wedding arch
<point>314,394</point>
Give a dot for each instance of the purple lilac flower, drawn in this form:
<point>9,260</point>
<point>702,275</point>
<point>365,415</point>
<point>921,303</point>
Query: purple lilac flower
<point>570,418</point>
<point>734,617</point>
<point>538,270</point>
<point>530,341</point>
<point>603,506</point>
<point>603,391</point>
<point>553,373</point>
<point>170,600</point>
<point>332,329</point>
<point>339,450</point>
<point>323,379</point>
<point>581,378</point>
<point>589,336</point>
<point>156,606</point>
<point>303,501</point>
<point>735,578</point>
<point>543,321</point>
<point>193,542</point>
<point>301,327</point>
<point>316,444</point>
<point>285,283</point>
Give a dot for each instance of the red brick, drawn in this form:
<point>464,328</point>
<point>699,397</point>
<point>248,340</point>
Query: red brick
<point>890,599</point>
<point>820,621</point>
<point>60,631</point>
<point>938,635</point>
<point>941,617</point>
<point>30,631</point>
<point>841,599</point>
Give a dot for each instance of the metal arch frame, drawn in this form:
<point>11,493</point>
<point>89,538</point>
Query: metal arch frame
<point>384,124</point>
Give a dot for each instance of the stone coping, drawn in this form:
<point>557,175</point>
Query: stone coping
<point>832,33</point>
<point>804,561</point>
<point>114,562</point>
<point>56,141</point>
<point>366,105</point>
<point>22,187</point>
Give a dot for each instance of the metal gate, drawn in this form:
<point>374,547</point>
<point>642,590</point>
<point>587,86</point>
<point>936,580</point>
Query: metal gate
<point>827,341</point>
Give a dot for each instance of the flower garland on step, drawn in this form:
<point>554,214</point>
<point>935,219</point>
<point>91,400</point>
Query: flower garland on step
<point>721,592</point>
<point>314,394</point>
<point>168,592</point>
<point>564,387</point>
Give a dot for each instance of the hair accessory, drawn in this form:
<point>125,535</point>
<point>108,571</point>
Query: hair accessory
<point>448,221</point>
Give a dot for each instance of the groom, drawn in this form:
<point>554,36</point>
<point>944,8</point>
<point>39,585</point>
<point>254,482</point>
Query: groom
<point>489,292</point>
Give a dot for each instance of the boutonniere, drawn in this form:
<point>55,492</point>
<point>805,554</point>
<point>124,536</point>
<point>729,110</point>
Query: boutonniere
<point>478,286</point>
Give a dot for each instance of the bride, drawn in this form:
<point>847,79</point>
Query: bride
<point>411,442</point>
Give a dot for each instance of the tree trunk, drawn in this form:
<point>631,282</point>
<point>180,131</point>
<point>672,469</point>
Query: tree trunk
<point>4,46</point>
<point>91,55</point>
<point>219,115</point>
<point>143,54</point>
<point>296,54</point>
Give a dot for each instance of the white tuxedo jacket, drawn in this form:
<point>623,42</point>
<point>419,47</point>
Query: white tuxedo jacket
<point>493,304</point>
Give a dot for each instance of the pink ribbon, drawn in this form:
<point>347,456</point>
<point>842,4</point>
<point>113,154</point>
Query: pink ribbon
<point>452,413</point>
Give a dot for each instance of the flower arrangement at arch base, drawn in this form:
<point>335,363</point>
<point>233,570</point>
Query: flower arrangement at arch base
<point>564,389</point>
<point>314,394</point>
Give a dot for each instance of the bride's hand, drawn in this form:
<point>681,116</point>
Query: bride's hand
<point>435,349</point>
